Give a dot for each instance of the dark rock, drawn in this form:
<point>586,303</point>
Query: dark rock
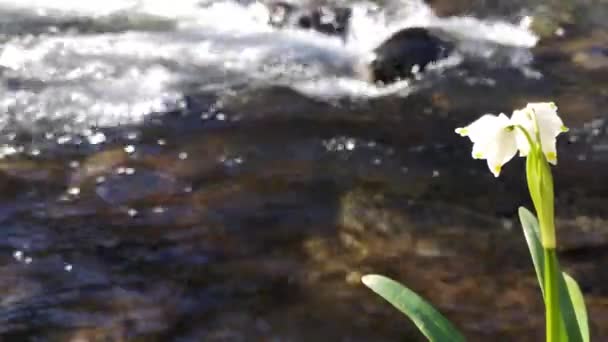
<point>402,55</point>
<point>280,13</point>
<point>332,21</point>
<point>406,53</point>
<point>323,19</point>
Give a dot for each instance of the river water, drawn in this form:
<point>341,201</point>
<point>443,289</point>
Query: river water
<point>182,171</point>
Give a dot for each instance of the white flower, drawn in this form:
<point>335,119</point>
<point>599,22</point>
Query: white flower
<point>544,116</point>
<point>494,139</point>
<point>498,138</point>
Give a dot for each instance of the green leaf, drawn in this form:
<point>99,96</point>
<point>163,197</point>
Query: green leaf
<point>532,233</point>
<point>573,310</point>
<point>428,320</point>
<point>578,303</point>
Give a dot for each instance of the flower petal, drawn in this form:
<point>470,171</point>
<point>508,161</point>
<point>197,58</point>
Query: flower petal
<point>493,139</point>
<point>480,129</point>
<point>523,118</point>
<point>496,139</point>
<point>479,150</point>
<point>550,150</point>
<point>550,125</point>
<point>501,149</point>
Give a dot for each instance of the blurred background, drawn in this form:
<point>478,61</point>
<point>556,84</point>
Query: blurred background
<point>182,171</point>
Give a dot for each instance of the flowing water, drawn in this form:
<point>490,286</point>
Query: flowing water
<point>182,171</point>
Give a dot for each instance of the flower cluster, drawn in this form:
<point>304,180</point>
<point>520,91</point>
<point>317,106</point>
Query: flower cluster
<point>497,138</point>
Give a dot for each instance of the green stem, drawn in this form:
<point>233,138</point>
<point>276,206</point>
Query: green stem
<point>527,135</point>
<point>553,317</point>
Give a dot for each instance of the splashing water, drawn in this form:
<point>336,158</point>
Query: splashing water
<point>139,53</point>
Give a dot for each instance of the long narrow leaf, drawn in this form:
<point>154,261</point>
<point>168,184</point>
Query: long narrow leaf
<point>428,320</point>
<point>578,304</point>
<point>532,233</point>
<point>570,315</point>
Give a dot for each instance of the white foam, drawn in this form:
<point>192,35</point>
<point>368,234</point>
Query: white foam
<point>332,88</point>
<point>63,7</point>
<point>109,79</point>
<point>78,81</point>
<point>370,27</point>
<point>499,32</point>
<point>185,12</point>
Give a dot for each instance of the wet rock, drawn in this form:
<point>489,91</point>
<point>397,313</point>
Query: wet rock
<point>362,211</point>
<point>200,157</point>
<point>323,19</point>
<point>97,165</point>
<point>578,65</point>
<point>424,228</point>
<point>550,15</point>
<point>452,281</point>
<point>595,58</point>
<point>119,189</point>
<point>447,8</point>
<point>33,170</point>
<point>333,21</point>
<point>280,13</point>
<point>403,55</point>
<point>406,53</point>
<point>546,26</point>
<point>589,52</point>
<point>11,186</point>
<point>23,178</point>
